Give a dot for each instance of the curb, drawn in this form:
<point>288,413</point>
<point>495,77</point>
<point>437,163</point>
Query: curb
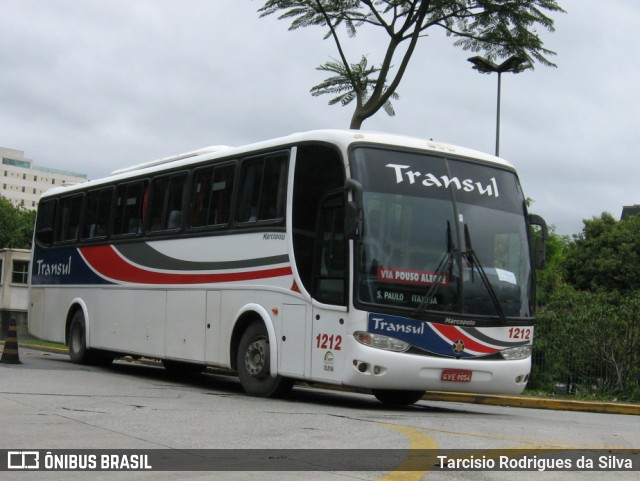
<point>483,399</point>
<point>535,403</point>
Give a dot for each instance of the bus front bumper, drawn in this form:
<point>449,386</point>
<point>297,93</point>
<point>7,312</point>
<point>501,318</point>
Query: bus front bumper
<point>373,368</point>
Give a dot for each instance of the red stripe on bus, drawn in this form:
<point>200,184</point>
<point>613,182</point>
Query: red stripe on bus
<point>106,262</point>
<point>454,334</point>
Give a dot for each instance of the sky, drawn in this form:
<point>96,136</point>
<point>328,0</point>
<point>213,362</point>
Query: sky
<point>91,86</point>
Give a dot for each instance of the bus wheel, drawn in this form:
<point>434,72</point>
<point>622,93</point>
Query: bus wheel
<point>395,397</point>
<point>253,364</point>
<point>78,351</point>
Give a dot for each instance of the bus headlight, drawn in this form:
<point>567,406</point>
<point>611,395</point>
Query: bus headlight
<point>381,342</point>
<point>515,353</point>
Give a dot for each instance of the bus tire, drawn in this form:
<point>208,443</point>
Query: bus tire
<point>394,397</point>
<point>78,351</point>
<point>253,361</point>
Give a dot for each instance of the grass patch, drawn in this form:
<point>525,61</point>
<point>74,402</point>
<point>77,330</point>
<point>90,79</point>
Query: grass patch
<point>38,342</point>
<point>594,396</point>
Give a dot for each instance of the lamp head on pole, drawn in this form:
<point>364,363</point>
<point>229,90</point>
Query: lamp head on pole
<point>513,64</point>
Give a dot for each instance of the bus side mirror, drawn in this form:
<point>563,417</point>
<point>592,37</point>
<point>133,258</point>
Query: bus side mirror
<point>352,221</point>
<point>353,211</point>
<point>540,245</point>
<point>45,236</point>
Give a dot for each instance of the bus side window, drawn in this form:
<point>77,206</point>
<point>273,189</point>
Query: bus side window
<point>200,192</point>
<point>249,194</point>
<point>330,270</point>
<point>167,202</point>
<point>221,189</point>
<point>45,222</point>
<point>211,196</point>
<point>68,218</point>
<point>263,188</point>
<point>318,170</point>
<point>96,213</point>
<point>129,208</point>
<point>274,188</point>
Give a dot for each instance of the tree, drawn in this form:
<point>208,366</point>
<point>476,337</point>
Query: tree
<point>499,28</point>
<point>606,255</point>
<point>551,278</point>
<point>16,226</point>
<point>588,325</point>
<point>590,341</point>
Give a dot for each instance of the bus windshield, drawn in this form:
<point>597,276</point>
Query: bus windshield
<point>441,235</point>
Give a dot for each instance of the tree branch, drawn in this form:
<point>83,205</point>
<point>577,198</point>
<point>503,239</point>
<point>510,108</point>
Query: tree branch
<point>380,95</point>
<point>343,57</point>
<point>379,18</point>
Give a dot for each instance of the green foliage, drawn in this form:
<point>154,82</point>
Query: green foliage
<point>503,28</point>
<point>341,85</point>
<point>16,226</point>
<point>499,28</point>
<point>589,342</point>
<point>606,255</point>
<point>588,322</point>
<point>552,276</point>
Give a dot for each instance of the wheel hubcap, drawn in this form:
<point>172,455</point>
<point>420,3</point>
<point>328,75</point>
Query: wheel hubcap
<point>256,358</point>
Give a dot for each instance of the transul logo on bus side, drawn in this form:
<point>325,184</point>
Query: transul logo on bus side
<point>54,269</point>
<point>444,181</point>
<point>386,325</point>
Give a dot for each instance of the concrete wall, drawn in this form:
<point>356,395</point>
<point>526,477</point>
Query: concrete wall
<point>14,297</point>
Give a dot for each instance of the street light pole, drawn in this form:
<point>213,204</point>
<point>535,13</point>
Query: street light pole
<point>498,117</point>
<point>513,64</point>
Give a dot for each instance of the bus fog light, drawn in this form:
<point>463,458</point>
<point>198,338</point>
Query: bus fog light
<point>515,353</point>
<point>381,342</point>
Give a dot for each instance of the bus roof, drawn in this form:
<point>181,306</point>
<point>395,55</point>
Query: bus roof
<point>341,138</point>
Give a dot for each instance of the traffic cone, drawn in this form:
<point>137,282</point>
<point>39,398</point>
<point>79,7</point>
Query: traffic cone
<point>10,353</point>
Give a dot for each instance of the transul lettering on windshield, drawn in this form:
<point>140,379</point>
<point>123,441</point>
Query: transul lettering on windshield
<point>444,181</point>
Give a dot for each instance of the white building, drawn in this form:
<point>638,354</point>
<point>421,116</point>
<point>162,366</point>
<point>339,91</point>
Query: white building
<point>23,184</point>
<point>14,289</point>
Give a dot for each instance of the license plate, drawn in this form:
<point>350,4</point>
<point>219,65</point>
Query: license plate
<point>456,375</point>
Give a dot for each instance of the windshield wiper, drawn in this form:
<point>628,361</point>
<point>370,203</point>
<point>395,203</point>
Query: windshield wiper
<point>445,265</point>
<point>473,259</point>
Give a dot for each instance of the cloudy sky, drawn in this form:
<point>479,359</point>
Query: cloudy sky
<point>95,85</point>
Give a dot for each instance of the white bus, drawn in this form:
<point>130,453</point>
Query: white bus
<point>369,260</point>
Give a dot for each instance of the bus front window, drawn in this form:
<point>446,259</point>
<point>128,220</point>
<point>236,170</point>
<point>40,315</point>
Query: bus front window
<point>401,249</point>
<point>441,235</point>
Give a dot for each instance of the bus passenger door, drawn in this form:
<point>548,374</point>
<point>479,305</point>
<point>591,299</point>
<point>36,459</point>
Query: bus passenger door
<point>329,290</point>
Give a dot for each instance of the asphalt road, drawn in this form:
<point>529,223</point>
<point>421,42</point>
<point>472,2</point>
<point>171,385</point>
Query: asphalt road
<point>48,403</point>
